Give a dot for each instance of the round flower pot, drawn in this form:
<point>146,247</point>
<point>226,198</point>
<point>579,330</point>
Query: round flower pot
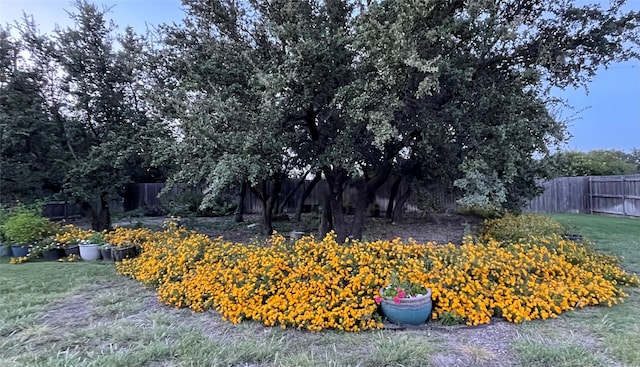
<point>74,250</point>
<point>296,235</point>
<point>106,254</point>
<point>573,237</point>
<point>19,251</point>
<point>89,252</point>
<point>411,311</point>
<point>53,254</point>
<point>121,253</point>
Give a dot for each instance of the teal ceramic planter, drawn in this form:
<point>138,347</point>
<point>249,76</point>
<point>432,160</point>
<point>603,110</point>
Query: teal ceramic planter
<point>411,311</point>
<point>20,251</point>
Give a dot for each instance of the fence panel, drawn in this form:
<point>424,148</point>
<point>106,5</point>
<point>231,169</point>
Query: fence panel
<point>619,195</point>
<point>562,195</point>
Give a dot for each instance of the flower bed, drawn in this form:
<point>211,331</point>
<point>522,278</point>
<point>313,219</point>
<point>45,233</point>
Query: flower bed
<point>316,285</point>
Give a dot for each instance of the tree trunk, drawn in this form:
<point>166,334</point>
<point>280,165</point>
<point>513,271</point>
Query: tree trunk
<point>336,179</point>
<point>104,218</point>
<point>366,194</point>
<point>393,192</point>
<point>405,189</point>
<point>301,199</point>
<point>269,199</point>
<point>363,198</point>
<point>267,217</point>
<point>99,220</point>
<point>325,221</point>
<point>242,192</point>
<point>283,204</point>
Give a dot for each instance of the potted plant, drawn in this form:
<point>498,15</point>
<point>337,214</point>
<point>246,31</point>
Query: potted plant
<point>23,228</point>
<point>90,247</point>
<point>5,249</point>
<point>404,302</point>
<point>106,251</point>
<point>123,251</point>
<point>124,242</point>
<point>70,236</point>
<point>48,248</point>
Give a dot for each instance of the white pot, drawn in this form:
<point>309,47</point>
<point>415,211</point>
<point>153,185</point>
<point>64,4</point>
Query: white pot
<point>90,252</point>
<point>296,235</point>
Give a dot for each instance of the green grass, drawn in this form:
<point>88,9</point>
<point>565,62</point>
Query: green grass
<point>84,314</point>
<point>614,235</point>
<point>593,336</point>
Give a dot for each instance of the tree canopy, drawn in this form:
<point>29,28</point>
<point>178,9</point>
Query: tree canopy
<point>594,163</point>
<point>455,93</point>
<point>361,89</point>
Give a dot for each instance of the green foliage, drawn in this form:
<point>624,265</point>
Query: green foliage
<point>83,114</point>
<point>24,226</point>
<point>485,212</point>
<point>190,203</point>
<point>593,163</point>
<point>514,228</point>
<point>32,144</point>
<point>450,318</point>
<point>96,238</point>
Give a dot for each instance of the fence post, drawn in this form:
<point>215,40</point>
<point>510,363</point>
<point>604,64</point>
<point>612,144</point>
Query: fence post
<point>590,196</point>
<point>624,198</point>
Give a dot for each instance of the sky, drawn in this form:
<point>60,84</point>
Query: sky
<point>605,117</point>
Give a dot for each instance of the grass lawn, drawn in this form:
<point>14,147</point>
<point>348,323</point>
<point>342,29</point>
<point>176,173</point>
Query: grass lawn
<point>84,314</point>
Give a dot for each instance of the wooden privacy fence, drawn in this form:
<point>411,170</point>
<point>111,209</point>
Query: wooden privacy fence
<point>615,195</point>
<point>618,195</point>
<point>147,196</point>
<point>562,195</point>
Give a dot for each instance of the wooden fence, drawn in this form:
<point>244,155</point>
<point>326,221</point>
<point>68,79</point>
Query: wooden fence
<point>562,195</point>
<point>615,195</point>
<point>147,196</point>
<point>618,195</point>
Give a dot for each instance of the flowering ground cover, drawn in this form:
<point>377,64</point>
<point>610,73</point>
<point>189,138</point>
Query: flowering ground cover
<point>321,284</point>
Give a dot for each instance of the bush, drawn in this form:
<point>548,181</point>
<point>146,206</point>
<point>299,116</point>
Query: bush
<point>24,226</point>
<point>515,228</point>
<point>188,203</point>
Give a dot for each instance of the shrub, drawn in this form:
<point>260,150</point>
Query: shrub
<point>26,227</point>
<point>188,203</point>
<point>515,228</point>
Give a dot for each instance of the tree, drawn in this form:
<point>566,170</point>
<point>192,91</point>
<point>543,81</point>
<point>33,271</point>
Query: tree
<point>593,163</point>
<point>360,90</point>
<point>109,129</point>
<point>229,134</point>
<point>30,142</point>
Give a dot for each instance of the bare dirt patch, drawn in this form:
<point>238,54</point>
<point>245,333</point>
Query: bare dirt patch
<point>439,228</point>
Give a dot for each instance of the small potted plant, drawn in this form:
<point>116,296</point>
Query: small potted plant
<point>48,248</point>
<point>106,251</point>
<point>123,251</point>
<point>90,247</point>
<point>5,248</point>
<point>124,243</point>
<point>404,302</point>
<point>23,228</point>
<point>70,236</point>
